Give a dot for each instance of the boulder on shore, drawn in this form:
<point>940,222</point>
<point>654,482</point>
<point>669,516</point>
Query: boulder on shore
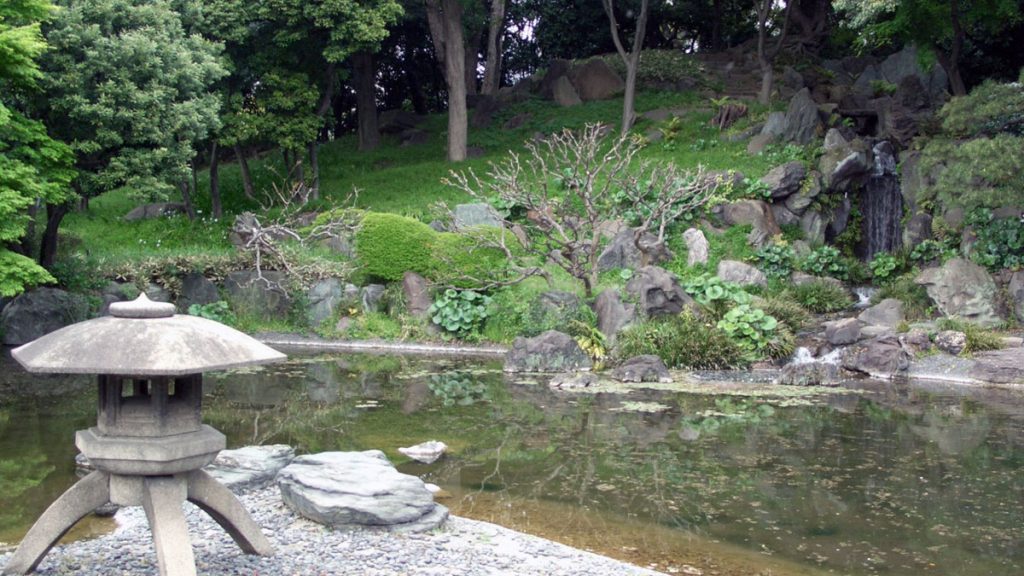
<point>358,490</point>
<point>551,351</point>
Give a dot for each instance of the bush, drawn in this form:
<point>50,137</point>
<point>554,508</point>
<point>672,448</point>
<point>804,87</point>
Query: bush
<point>917,304</point>
<point>751,327</point>
<point>978,338</point>
<point>388,245</point>
<point>515,311</point>
<point>218,311</point>
<point>786,310</point>
<point>682,341</point>
<point>933,251</point>
<point>825,261</point>
<point>714,294</point>
<point>819,297</point>
<point>459,313</point>
<point>979,157</point>
<point>884,267</point>
<point>1000,243</point>
<point>776,260</point>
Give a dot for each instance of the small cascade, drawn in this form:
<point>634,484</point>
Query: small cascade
<point>881,204</point>
<point>864,295</point>
<point>803,355</point>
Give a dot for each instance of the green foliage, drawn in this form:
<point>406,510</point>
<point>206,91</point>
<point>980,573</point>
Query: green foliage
<point>978,338</point>
<point>460,313</point>
<point>388,245</point>
<point>776,260</point>
<point>591,340</point>
<point>934,251</point>
<point>825,261</point>
<point>715,294</point>
<point>819,297</point>
<point>883,87</point>
<point>517,311</point>
<point>132,90</point>
<point>991,108</point>
<point>682,341</point>
<point>978,160</point>
<point>917,305</point>
<point>18,272</point>
<point>751,327</point>
<point>659,67</point>
<point>786,310</point>
<point>458,389</point>
<point>884,267</point>
<point>1000,243</point>
<point>33,166</point>
<point>218,311</point>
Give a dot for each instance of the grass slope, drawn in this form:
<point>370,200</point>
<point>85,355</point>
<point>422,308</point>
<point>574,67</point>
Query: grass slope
<point>404,180</point>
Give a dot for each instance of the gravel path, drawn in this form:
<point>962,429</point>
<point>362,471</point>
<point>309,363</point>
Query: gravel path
<point>463,547</point>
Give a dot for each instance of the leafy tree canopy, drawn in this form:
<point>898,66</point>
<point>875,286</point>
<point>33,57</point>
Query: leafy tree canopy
<point>131,89</point>
<point>32,165</point>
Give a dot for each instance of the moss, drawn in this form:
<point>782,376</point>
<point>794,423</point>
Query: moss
<point>388,245</point>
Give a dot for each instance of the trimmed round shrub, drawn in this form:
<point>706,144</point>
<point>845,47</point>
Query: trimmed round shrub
<point>682,341</point>
<point>388,245</point>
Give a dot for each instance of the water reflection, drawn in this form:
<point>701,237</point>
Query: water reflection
<point>894,479</point>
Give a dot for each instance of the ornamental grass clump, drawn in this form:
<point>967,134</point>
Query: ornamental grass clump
<point>682,341</point>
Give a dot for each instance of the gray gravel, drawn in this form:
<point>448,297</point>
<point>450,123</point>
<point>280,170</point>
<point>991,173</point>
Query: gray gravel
<point>462,547</point>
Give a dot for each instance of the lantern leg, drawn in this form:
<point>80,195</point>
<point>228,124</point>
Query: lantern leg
<point>217,501</point>
<point>86,495</point>
<point>162,497</point>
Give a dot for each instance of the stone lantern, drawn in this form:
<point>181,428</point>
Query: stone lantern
<point>149,443</point>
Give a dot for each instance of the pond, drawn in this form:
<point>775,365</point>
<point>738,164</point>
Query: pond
<point>722,477</point>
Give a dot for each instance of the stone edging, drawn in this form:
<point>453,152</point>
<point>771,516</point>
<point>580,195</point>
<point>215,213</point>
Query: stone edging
<point>302,342</point>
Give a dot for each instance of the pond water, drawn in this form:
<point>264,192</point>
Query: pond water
<point>726,478</point>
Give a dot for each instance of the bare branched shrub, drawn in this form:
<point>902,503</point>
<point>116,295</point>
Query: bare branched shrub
<point>574,182</point>
<point>278,242</point>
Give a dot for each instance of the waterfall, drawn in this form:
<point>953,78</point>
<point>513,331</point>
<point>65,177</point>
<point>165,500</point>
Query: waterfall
<point>881,204</point>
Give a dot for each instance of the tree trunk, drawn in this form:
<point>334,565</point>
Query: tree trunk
<point>24,247</point>
<point>243,166</point>
<point>631,58</point>
<point>456,76</point>
<point>314,167</point>
<point>366,100</point>
<point>215,204</point>
<point>415,84</point>
<point>764,95</point>
<point>299,169</point>
<point>186,198</point>
<point>471,59</point>
<point>629,98</point>
<point>956,82</point>
<point>716,25</point>
<point>48,247</point>
<point>436,25</point>
<point>495,35</point>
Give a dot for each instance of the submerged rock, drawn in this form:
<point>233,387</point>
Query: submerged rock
<point>573,380</point>
<point>645,368</point>
<point>809,374</point>
<point>358,490</point>
<point>551,351</point>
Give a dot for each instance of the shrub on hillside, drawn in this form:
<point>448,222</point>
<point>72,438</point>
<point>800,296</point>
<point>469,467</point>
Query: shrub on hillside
<point>682,341</point>
<point>819,297</point>
<point>388,245</point>
<point>978,158</point>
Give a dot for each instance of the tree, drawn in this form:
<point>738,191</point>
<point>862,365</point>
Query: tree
<point>495,33</point>
<point>445,19</point>
<point>631,59</point>
<point>766,55</point>
<point>132,91</point>
<point>34,168</point>
<point>568,186</point>
<point>944,28</point>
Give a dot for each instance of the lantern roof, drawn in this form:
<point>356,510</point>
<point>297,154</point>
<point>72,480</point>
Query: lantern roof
<point>143,338</point>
